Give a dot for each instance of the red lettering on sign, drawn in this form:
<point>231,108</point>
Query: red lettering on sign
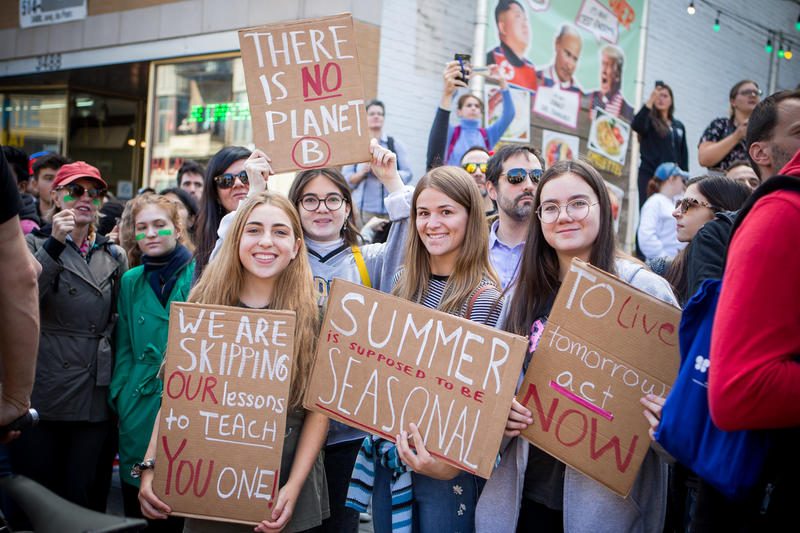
<point>193,469</point>
<point>185,383</point>
<point>532,393</point>
<point>613,443</point>
<point>319,81</point>
<point>669,328</point>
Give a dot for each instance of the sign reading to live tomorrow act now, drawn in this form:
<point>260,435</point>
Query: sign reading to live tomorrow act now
<point>223,415</point>
<point>606,344</point>
<point>306,98</point>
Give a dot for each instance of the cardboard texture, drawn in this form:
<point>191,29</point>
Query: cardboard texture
<point>304,87</point>
<point>227,378</point>
<point>606,344</point>
<point>383,362</point>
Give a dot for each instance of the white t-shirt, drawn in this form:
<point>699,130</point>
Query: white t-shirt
<point>658,231</point>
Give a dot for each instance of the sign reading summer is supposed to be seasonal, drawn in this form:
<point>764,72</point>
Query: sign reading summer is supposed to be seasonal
<point>383,362</point>
<point>306,97</point>
<point>606,344</point>
<point>223,414</point>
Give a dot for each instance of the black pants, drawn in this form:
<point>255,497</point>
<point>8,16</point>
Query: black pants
<point>339,461</point>
<point>534,516</point>
<point>73,459</point>
<point>130,502</point>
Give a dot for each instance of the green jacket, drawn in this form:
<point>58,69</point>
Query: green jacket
<point>135,390</point>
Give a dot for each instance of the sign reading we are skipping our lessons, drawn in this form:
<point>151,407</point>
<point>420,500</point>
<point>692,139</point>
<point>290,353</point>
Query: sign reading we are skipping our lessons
<point>226,392</point>
<point>606,344</point>
<point>383,362</point>
<point>305,91</point>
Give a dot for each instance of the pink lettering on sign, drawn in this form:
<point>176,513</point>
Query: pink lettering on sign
<point>313,152</point>
<point>630,323</point>
<point>177,381</point>
<point>319,81</point>
<point>193,471</point>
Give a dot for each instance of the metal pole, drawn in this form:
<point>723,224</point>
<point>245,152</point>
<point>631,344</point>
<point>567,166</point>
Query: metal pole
<point>479,46</point>
<point>774,65</point>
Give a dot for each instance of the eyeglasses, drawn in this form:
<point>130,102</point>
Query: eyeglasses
<point>576,209</point>
<point>332,202</point>
<point>684,204</point>
<point>472,167</point>
<point>226,181</point>
<point>76,190</point>
<point>750,92</point>
<point>518,175</point>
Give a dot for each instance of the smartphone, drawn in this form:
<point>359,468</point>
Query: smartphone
<point>464,63</point>
<point>659,83</point>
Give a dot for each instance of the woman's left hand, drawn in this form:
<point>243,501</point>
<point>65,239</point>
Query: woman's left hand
<point>422,462</point>
<point>282,512</point>
<point>384,166</point>
<point>653,412</point>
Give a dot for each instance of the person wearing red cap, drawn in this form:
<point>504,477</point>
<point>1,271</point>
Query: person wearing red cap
<point>68,451</point>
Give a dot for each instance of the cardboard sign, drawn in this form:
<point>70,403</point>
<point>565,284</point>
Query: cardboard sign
<point>226,387</point>
<point>304,87</point>
<point>606,344</point>
<point>383,362</point>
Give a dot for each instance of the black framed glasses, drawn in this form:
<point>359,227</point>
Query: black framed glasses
<point>76,191</point>
<point>226,181</point>
<point>577,209</point>
<point>472,167</point>
<point>518,175</point>
<point>684,204</point>
<point>333,202</point>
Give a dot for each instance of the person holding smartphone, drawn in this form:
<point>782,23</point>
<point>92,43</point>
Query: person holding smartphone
<point>662,138</point>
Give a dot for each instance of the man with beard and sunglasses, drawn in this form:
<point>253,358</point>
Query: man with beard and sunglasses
<point>512,175</point>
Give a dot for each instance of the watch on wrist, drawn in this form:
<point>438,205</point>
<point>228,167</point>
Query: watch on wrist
<point>138,468</point>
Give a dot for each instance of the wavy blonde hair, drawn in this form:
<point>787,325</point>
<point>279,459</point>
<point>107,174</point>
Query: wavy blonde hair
<point>472,264</point>
<point>222,281</point>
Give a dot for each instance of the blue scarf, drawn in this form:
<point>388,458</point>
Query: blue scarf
<point>162,272</point>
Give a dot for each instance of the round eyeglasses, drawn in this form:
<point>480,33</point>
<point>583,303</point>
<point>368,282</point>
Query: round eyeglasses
<point>576,209</point>
<point>310,202</point>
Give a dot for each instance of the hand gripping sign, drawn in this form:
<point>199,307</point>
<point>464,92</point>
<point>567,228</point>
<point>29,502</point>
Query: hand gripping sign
<point>383,362</point>
<point>606,344</point>
<point>306,98</point>
<point>227,378</point>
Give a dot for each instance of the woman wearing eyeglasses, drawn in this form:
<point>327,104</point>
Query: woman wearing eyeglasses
<point>78,285</point>
<point>224,186</point>
<point>573,219</point>
<point>722,142</point>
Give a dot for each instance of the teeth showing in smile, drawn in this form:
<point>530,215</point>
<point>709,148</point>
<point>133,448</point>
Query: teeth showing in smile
<point>265,257</point>
<point>436,236</point>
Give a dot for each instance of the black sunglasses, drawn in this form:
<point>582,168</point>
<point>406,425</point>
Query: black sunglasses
<point>518,175</point>
<point>226,181</point>
<point>76,191</point>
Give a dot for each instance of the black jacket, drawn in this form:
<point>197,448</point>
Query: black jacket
<point>707,251</point>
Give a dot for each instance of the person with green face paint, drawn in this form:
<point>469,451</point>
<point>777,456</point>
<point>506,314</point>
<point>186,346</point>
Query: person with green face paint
<point>164,276</point>
<point>72,449</point>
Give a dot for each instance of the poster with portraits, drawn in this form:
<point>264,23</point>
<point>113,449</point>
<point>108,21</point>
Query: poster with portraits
<point>577,60</point>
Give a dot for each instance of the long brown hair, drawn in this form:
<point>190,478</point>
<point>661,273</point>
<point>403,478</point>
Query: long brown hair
<point>660,124</point>
<point>472,263</point>
<point>223,279</point>
<point>350,230</point>
<point>127,226</point>
<point>538,280</point>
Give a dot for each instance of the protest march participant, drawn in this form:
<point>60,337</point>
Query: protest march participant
<point>742,171</point>
<point>187,209</point>
<point>190,179</point>
<point>69,451</point>
<point>263,265</point>
<point>723,141</point>
<point>224,187</point>
<point>475,161</point>
<point>448,144</point>
<point>530,490</point>
<point>446,268</point>
<point>44,169</point>
<point>141,333</point>
<point>657,236</point>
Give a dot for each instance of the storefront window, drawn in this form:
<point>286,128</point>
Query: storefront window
<point>33,121</point>
<point>198,108</point>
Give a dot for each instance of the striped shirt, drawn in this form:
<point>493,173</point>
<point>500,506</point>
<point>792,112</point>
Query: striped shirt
<point>485,310</point>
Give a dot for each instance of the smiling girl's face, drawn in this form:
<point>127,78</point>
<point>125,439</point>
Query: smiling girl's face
<point>268,243</point>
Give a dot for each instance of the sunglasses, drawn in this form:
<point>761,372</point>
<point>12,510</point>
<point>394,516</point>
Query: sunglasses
<point>518,175</point>
<point>684,204</point>
<point>76,191</point>
<point>226,181</point>
<point>472,167</point>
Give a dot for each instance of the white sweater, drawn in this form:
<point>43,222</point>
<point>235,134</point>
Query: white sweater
<point>658,234</point>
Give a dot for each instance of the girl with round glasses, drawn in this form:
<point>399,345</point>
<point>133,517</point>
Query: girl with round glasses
<point>530,490</point>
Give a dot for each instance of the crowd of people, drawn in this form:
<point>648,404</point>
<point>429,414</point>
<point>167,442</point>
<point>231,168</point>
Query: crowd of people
<point>484,235</point>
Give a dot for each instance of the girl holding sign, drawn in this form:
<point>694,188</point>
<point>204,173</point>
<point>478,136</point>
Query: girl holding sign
<point>574,219</point>
<point>447,268</point>
<point>141,334</point>
<point>263,265</point>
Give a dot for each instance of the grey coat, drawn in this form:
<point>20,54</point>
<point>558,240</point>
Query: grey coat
<point>588,505</point>
<point>76,309</point>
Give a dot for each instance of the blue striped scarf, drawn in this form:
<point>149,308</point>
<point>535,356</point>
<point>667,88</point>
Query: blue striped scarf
<point>383,454</point>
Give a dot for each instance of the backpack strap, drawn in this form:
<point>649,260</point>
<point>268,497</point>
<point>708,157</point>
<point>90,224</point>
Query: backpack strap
<point>480,290</point>
<point>453,139</point>
<point>485,135</point>
<point>362,266</point>
<point>390,143</point>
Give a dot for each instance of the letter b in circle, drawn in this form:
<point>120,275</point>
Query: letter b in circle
<point>311,152</point>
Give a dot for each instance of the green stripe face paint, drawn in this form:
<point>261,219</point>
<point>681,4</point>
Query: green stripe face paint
<point>140,236</point>
<point>68,198</point>
<point>165,232</point>
<point>96,202</point>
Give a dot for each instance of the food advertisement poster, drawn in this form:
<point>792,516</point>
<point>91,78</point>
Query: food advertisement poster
<point>519,130</point>
<point>557,146</point>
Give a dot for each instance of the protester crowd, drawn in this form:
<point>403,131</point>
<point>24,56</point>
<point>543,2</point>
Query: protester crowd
<point>484,235</point>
